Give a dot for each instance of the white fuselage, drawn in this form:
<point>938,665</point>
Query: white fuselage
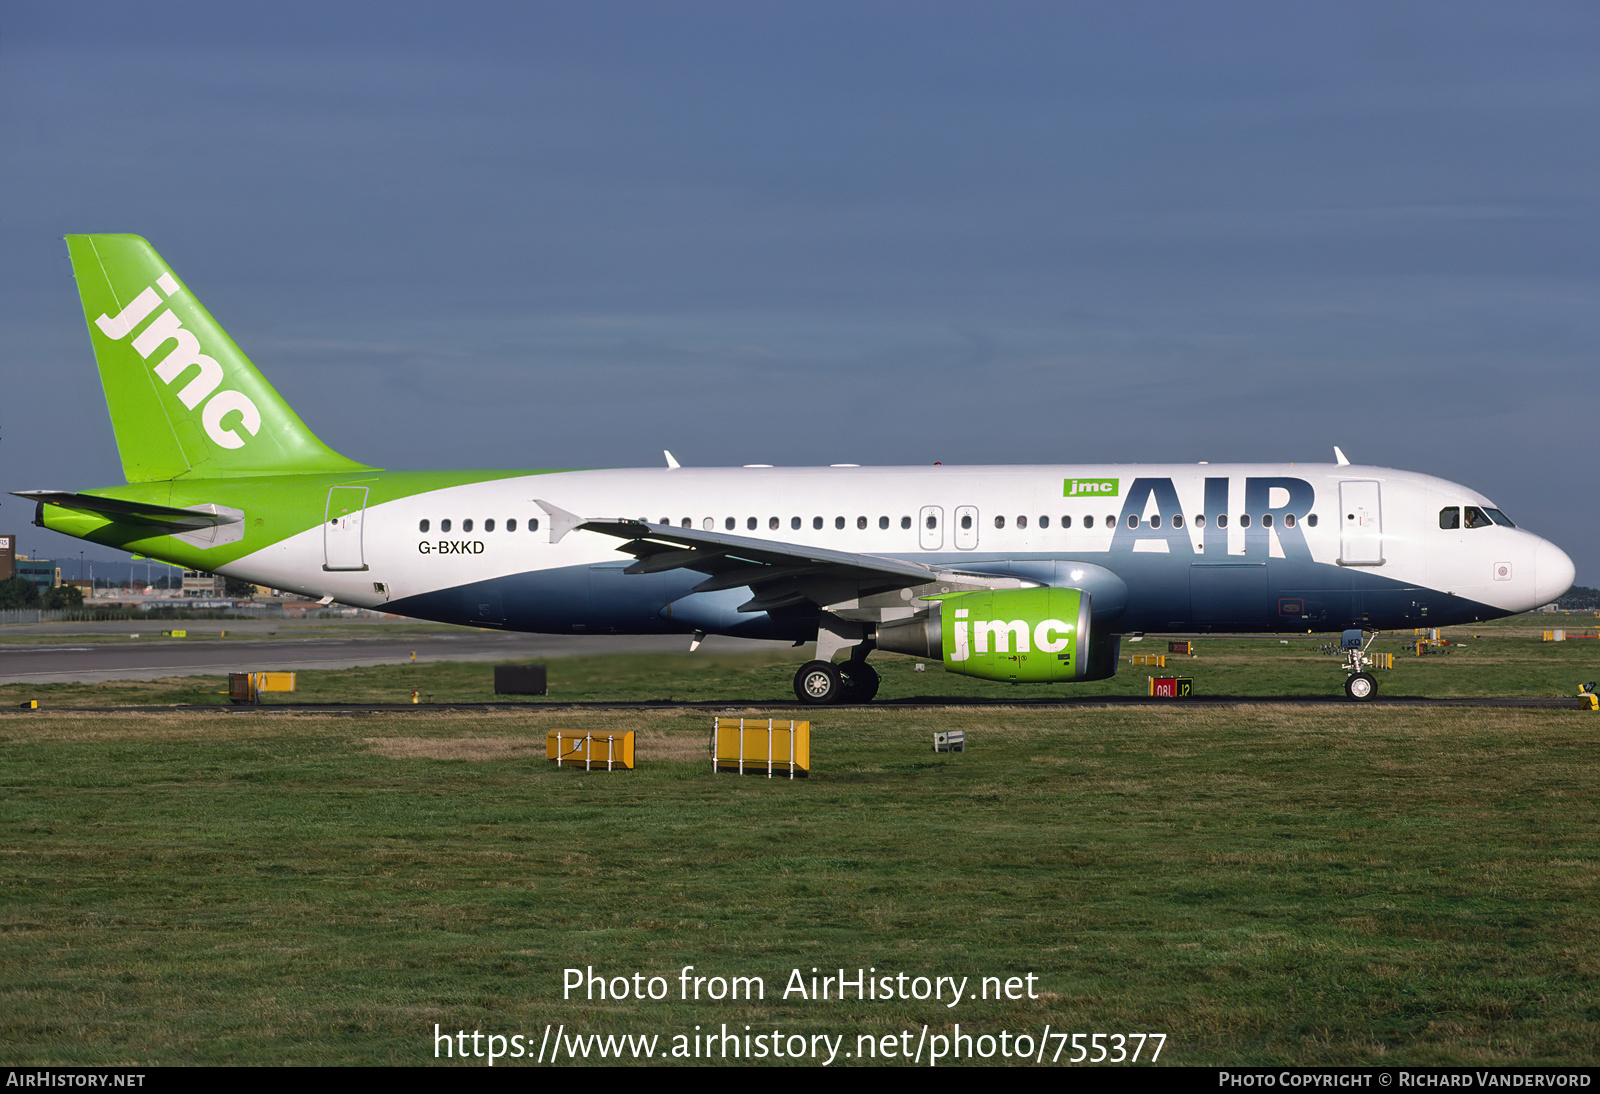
<point>1179,536</point>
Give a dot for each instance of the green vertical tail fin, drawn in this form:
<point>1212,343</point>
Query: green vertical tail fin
<point>184,400</point>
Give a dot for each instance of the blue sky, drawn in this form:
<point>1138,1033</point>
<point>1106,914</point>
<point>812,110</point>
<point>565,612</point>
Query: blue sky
<point>524,235</point>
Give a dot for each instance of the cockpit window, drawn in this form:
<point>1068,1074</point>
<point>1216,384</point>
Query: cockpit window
<point>1476,518</point>
<point>1450,517</point>
<point>1499,518</point>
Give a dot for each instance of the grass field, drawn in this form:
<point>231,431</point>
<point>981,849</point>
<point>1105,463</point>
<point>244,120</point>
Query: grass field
<point>1264,884</point>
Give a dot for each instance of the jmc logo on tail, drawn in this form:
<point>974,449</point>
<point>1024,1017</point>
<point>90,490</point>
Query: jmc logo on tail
<point>185,352</point>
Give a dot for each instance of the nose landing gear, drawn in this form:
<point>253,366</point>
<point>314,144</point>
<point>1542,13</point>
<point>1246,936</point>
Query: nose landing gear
<point>1359,685</point>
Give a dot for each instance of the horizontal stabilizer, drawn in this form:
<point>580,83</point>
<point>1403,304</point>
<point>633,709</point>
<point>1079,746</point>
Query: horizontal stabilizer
<point>164,517</point>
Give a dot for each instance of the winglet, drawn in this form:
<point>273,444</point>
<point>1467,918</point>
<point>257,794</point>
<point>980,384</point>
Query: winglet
<point>1339,457</point>
<point>561,521</point>
<point>672,464</point>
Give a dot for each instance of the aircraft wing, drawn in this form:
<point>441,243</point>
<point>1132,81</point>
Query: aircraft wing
<point>778,573</point>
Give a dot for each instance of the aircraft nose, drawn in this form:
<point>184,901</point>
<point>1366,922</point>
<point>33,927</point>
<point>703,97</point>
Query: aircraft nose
<point>1553,572</point>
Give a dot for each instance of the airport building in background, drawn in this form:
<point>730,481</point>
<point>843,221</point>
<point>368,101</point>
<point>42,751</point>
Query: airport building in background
<point>42,572</point>
<point>202,584</point>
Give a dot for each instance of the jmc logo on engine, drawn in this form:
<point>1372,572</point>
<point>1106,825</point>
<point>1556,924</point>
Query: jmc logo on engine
<point>1015,634</point>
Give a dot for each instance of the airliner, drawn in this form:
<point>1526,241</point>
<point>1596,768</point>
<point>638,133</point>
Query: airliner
<point>1010,573</point>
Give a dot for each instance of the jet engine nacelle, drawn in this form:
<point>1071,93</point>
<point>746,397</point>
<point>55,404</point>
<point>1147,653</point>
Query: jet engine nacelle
<point>1022,635</point>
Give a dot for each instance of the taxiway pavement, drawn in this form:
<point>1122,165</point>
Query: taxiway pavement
<point>136,651</point>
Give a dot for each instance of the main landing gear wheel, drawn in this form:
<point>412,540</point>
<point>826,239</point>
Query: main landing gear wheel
<point>819,683</point>
<point>860,681</point>
<point>1361,686</point>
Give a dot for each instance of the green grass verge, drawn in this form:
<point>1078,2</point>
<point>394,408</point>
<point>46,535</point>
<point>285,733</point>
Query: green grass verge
<point>1264,885</point>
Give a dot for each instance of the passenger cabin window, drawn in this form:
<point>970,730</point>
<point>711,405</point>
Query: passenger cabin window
<point>816,522</point>
<point>1266,520</point>
<point>1133,521</point>
<point>533,524</point>
<point>999,522</point>
<point>1312,520</point>
<point>423,527</point>
<point>883,522</point>
<point>1177,520</point>
<point>772,524</point>
<point>444,525</point>
<point>861,523</point>
<point>1044,522</point>
<point>905,522</point>
<point>511,525</point>
<point>1222,520</point>
<point>966,522</point>
<point>1244,520</point>
<point>1066,522</point>
<point>1288,520</point>
<point>1088,522</point>
<point>794,522</point>
<point>1022,522</point>
<point>466,525</point>
<point>1155,520</point>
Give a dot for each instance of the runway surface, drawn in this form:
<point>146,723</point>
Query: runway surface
<point>116,654</point>
<point>788,708</point>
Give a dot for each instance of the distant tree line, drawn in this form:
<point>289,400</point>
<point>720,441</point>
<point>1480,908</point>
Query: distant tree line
<point>22,593</point>
<point>1580,599</point>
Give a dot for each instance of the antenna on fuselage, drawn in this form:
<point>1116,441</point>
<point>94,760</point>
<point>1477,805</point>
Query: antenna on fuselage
<point>1339,457</point>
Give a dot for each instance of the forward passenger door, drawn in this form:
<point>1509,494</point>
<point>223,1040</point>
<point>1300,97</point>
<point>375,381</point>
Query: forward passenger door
<point>1360,524</point>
